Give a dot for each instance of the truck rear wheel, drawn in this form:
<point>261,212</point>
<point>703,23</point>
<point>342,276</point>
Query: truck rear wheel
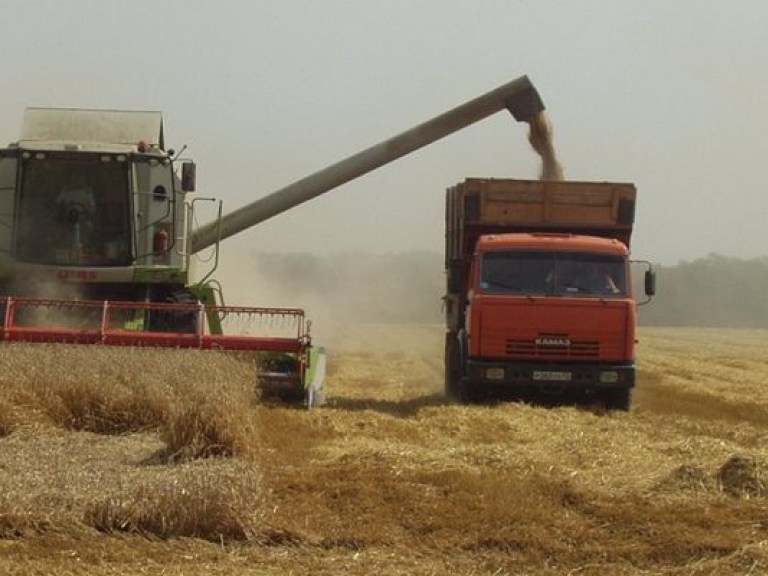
<point>455,389</point>
<point>618,399</point>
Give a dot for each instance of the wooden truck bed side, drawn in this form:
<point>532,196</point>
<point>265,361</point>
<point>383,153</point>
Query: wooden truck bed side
<point>484,206</point>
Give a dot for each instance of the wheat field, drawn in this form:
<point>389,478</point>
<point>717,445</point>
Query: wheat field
<point>125,461</point>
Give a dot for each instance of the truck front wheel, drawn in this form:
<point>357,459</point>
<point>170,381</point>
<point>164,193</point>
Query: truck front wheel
<point>618,399</point>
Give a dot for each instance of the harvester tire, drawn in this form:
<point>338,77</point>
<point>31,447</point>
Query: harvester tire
<point>185,322</point>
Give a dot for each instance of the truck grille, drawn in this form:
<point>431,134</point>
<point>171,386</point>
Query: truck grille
<point>530,349</point>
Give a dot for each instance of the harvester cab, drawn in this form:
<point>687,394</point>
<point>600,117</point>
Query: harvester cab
<point>94,247</point>
<point>91,199</point>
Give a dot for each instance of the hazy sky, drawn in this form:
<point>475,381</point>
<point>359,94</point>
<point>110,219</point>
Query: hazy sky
<point>671,95</point>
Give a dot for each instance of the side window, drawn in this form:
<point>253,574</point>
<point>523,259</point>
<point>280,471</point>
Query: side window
<point>154,204</point>
<point>154,187</point>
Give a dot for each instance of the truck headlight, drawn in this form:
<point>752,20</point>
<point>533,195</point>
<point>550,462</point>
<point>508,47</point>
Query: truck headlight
<point>609,377</point>
<point>494,373</point>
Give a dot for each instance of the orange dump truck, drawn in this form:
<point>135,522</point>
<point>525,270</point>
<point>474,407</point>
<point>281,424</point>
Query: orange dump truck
<point>539,295</point>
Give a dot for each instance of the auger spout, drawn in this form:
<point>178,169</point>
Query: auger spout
<point>518,96</point>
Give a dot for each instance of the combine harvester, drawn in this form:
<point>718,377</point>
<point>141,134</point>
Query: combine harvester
<point>96,237</point>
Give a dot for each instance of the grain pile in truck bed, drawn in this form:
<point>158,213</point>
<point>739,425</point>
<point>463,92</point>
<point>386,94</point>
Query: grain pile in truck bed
<point>388,478</point>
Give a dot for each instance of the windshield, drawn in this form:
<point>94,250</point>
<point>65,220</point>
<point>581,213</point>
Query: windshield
<point>560,273</point>
<point>74,211</point>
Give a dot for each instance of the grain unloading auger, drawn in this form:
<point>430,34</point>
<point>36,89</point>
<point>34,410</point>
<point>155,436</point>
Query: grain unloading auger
<point>96,238</point>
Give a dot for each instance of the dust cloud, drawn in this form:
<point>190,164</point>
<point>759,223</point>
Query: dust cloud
<point>342,289</point>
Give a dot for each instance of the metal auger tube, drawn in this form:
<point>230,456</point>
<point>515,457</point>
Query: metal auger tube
<point>518,96</point>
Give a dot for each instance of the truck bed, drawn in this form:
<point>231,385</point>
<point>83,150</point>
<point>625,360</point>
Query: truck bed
<point>485,206</point>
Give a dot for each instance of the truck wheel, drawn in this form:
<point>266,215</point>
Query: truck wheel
<point>455,390</point>
<point>618,399</point>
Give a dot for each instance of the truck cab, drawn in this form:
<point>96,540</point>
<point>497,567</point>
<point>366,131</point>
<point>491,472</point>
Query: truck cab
<point>553,311</point>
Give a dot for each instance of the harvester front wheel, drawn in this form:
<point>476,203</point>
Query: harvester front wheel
<point>175,321</point>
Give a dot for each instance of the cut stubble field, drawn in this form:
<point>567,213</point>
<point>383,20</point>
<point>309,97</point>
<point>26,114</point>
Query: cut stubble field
<point>144,461</point>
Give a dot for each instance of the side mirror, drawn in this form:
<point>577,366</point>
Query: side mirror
<point>188,175</point>
<point>650,283</point>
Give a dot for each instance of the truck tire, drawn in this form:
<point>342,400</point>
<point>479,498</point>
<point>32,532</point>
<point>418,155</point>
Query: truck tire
<point>455,390</point>
<point>618,399</point>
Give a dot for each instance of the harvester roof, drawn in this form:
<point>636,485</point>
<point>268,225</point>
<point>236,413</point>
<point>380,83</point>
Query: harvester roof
<point>86,129</point>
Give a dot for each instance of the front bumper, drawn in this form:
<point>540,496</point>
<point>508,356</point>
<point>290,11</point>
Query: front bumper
<point>567,376</point>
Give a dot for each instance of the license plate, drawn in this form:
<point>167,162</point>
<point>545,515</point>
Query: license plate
<point>552,375</point>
